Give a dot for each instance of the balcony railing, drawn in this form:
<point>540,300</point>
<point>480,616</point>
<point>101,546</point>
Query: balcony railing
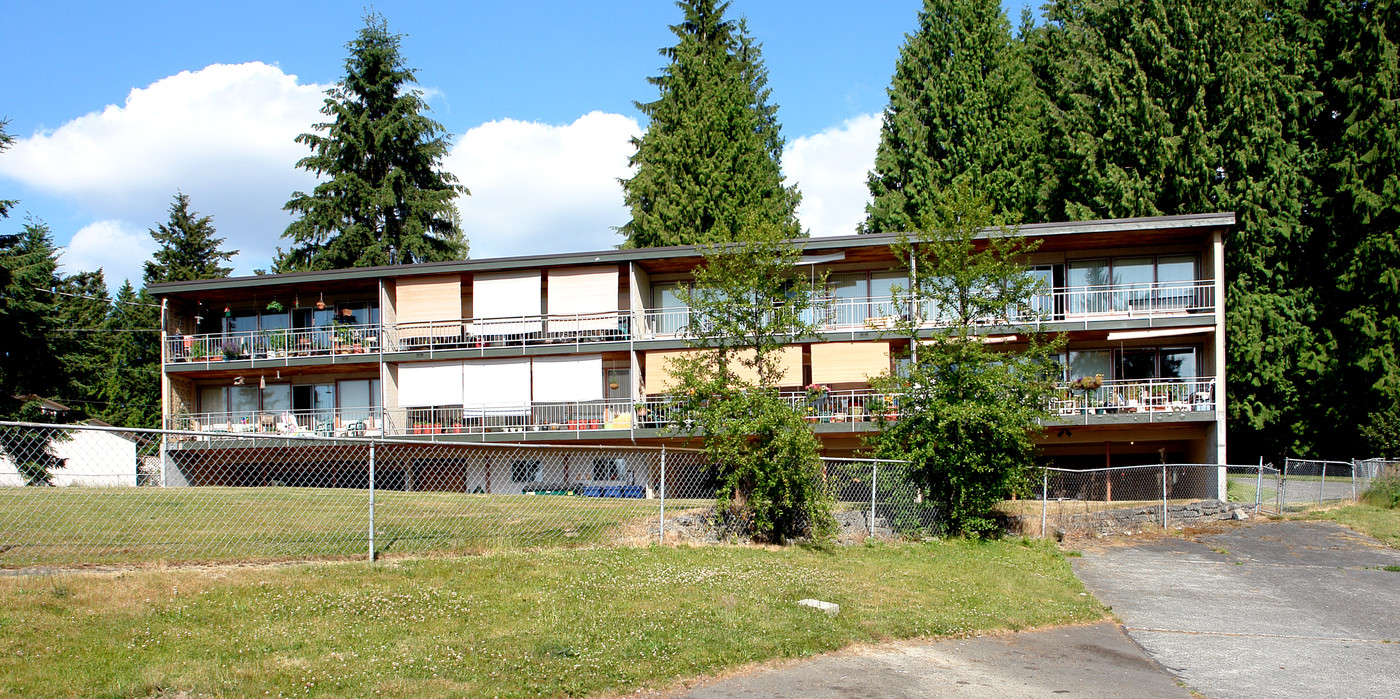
<point>1066,303</point>
<point>855,409</point>
<point>523,331</point>
<point>337,341</point>
<point>343,422</point>
<point>1151,396</point>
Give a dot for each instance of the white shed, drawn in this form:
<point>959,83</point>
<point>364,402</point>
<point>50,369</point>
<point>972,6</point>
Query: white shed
<point>93,458</point>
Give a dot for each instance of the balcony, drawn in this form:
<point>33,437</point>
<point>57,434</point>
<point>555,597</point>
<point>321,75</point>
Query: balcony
<point>338,342</point>
<point>1153,398</point>
<point>577,329</point>
<point>345,422</point>
<point>1072,304</point>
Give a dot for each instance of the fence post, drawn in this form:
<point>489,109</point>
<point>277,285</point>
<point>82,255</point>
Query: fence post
<point>371,502</point>
<point>1353,480</point>
<point>1259,486</point>
<point>1321,484</point>
<point>1164,496</point>
<point>874,469</point>
<point>661,531</point>
<point>1044,500</point>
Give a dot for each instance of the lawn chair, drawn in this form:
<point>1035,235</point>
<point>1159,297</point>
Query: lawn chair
<point>287,425</point>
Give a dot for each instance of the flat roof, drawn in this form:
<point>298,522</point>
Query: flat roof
<point>1031,230</point>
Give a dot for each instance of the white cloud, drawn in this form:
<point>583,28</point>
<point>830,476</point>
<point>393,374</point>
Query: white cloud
<point>223,135</point>
<point>830,169</point>
<point>540,188</point>
<point>115,247</point>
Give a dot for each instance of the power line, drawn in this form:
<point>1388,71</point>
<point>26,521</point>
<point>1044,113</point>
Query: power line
<point>96,298</point>
<point>104,330</point>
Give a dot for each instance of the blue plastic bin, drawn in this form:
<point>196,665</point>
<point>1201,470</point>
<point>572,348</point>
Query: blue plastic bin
<point>592,491</point>
<point>612,491</point>
<point>633,491</point>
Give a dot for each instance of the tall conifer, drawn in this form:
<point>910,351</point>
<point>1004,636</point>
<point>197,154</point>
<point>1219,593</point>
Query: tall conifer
<point>188,248</point>
<point>963,109</point>
<point>130,389</point>
<point>384,198</point>
<point>710,159</point>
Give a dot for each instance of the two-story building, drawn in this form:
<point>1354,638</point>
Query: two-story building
<point>574,347</point>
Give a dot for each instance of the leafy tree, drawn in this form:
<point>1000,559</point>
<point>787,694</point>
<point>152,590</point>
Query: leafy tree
<point>964,107</point>
<point>746,306</point>
<point>966,414</point>
<point>710,159</point>
<point>188,249</point>
<point>384,198</point>
<point>130,389</point>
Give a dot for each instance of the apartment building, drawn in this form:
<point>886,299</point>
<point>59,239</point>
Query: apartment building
<point>573,348</point>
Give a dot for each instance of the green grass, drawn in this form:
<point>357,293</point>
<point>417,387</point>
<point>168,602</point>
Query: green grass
<point>1379,522</point>
<point>79,526</point>
<point>511,623</point>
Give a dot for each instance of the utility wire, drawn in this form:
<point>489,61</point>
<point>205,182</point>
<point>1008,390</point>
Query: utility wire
<point>96,298</point>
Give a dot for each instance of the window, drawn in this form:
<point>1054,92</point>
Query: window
<point>1089,363</point>
<point>672,316</point>
<point>607,469</point>
<point>525,471</point>
<point>1130,284</point>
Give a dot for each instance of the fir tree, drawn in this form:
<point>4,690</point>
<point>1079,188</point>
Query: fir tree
<point>80,310</point>
<point>384,197</point>
<point>6,140</point>
<point>130,389</point>
<point>188,248</point>
<point>963,108</point>
<point>710,160</point>
<point>28,358</point>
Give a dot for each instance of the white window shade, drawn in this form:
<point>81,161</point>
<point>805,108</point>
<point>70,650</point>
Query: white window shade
<point>506,303</point>
<point>568,379</point>
<point>429,306</point>
<point>430,384</point>
<point>496,386</point>
<point>585,296</point>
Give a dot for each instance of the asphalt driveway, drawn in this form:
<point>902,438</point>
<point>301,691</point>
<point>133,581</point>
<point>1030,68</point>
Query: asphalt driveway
<point>1261,610</point>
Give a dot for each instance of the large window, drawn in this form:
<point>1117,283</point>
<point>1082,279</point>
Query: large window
<point>1125,284</point>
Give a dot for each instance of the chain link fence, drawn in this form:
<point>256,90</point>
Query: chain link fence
<point>1128,499</point>
<point>1309,482</point>
<point>83,495</point>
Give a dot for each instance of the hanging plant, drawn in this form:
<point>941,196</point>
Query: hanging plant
<point>275,306</point>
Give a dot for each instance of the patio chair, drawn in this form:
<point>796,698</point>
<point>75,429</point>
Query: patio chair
<point>287,425</point>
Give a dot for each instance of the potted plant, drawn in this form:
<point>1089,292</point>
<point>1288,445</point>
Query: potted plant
<point>1087,385</point>
<point>231,349</point>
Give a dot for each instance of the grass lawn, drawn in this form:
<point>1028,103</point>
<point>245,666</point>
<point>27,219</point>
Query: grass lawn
<point>70,526</point>
<point>1379,522</point>
<point>510,623</point>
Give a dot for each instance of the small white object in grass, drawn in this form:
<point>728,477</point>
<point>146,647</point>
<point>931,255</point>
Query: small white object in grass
<point>828,607</point>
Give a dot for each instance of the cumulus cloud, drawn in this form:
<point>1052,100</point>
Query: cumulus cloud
<point>224,135</point>
<point>830,169</point>
<point>115,247</point>
<point>540,188</point>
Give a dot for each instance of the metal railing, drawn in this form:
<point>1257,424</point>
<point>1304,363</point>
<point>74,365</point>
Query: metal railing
<point>342,422</point>
<point>339,342</point>
<point>522,331</point>
<point>1132,396</point>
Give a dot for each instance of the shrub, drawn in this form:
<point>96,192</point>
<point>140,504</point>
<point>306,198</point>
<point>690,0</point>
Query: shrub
<point>1384,492</point>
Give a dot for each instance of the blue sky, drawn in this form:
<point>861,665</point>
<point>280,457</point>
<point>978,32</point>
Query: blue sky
<point>117,105</point>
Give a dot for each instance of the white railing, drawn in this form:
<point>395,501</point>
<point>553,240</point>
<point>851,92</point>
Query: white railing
<point>1066,303</point>
<point>522,331</point>
<point>343,422</point>
<point>1152,396</point>
<point>486,418</point>
<point>275,345</point>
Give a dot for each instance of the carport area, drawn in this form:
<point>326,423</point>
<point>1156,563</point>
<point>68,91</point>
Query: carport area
<point>1260,610</point>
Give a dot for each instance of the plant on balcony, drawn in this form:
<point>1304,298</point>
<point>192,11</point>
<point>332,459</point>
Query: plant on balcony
<point>1087,384</point>
<point>276,342</point>
<point>231,349</point>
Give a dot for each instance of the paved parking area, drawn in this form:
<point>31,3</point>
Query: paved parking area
<point>1082,661</point>
<point>1260,610</point>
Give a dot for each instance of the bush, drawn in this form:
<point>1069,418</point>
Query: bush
<point>1384,492</point>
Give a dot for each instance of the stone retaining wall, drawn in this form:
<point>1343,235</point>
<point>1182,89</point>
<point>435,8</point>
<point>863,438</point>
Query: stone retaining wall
<point>1130,520</point>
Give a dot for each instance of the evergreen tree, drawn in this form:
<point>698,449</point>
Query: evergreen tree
<point>964,108</point>
<point>384,197</point>
<point>130,389</point>
<point>1356,76</point>
<point>80,310</point>
<point>29,362</point>
<point>710,159</point>
<point>188,249</point>
<point>1193,106</point>
<point>6,140</point>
